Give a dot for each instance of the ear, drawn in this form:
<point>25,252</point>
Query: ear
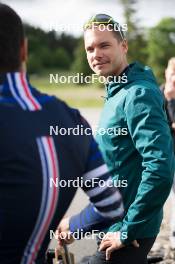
<point>24,51</point>
<point>125,46</point>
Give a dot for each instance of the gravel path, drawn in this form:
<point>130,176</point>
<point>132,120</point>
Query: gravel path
<point>162,245</point>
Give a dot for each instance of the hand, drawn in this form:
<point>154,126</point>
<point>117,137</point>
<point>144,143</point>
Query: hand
<point>64,234</point>
<point>64,225</point>
<point>112,242</point>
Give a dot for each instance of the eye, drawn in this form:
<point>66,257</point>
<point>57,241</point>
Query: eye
<point>89,49</point>
<point>105,45</point>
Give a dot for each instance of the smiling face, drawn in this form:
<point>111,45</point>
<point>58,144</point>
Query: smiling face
<point>105,53</point>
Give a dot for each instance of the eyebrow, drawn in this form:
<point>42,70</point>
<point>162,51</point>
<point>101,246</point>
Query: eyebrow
<point>104,42</point>
<point>100,44</point>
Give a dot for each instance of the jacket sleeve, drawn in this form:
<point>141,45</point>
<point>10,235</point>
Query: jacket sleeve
<point>150,133</point>
<point>105,206</point>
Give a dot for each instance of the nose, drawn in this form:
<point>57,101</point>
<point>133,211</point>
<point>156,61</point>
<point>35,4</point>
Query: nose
<point>97,53</point>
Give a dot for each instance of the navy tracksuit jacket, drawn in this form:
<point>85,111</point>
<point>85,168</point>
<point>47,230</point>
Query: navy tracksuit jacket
<point>31,158</point>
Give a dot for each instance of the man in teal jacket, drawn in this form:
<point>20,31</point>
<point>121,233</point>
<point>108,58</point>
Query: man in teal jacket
<point>136,145</point>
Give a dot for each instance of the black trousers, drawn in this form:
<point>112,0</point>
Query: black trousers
<point>126,255</point>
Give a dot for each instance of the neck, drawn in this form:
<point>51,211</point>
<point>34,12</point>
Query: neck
<point>121,68</point>
<point>22,68</point>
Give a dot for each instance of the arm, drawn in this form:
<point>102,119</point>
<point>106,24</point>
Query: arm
<point>105,205</point>
<point>151,136</point>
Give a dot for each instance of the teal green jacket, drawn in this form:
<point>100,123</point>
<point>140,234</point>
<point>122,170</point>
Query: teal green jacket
<point>137,147</point>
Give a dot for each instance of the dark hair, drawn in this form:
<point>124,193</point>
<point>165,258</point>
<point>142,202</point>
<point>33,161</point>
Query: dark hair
<point>11,38</point>
<point>106,20</point>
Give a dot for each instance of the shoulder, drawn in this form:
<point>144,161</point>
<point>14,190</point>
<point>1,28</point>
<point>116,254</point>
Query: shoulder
<point>144,91</point>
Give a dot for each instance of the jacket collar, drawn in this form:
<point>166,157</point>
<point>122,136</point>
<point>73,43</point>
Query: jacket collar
<point>17,86</point>
<point>115,83</point>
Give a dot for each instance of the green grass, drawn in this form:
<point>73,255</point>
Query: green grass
<point>75,95</point>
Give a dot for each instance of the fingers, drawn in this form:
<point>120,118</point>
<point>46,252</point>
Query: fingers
<point>111,234</point>
<point>66,238</point>
<point>135,244</point>
<point>104,245</point>
<point>60,243</point>
<point>109,250</point>
<point>56,253</point>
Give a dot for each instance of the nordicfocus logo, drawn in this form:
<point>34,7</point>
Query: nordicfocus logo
<point>80,130</point>
<point>92,183</point>
<point>77,235</point>
<point>80,78</point>
<point>77,27</point>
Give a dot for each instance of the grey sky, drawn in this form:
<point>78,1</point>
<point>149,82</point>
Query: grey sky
<point>70,15</point>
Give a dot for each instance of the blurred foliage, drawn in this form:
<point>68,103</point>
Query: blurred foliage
<point>135,34</point>
<point>161,46</point>
<point>80,63</point>
<point>151,46</point>
<point>48,50</point>
<point>62,59</point>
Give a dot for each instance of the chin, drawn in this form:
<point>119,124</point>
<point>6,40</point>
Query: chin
<point>101,73</point>
<point>104,73</point>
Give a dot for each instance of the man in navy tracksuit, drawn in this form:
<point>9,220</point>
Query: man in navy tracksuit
<point>31,158</point>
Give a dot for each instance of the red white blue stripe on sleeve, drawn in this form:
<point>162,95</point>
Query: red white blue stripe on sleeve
<point>106,205</point>
<point>21,91</point>
<point>49,199</point>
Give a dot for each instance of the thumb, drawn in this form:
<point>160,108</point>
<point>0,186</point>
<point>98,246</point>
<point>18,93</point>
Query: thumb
<point>135,244</point>
<point>108,252</point>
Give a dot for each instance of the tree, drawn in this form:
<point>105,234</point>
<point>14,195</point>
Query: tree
<point>34,64</point>
<point>161,46</point>
<point>49,49</point>
<point>135,34</point>
<point>80,64</point>
<point>61,59</point>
